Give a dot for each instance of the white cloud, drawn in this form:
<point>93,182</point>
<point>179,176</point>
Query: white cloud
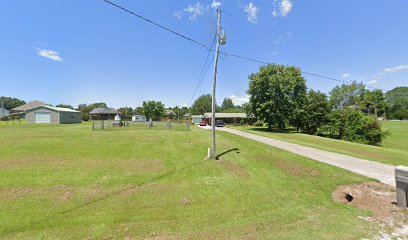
<point>215,4</point>
<point>252,12</point>
<point>195,10</point>
<point>388,70</point>
<point>50,54</point>
<point>396,69</point>
<point>374,81</point>
<point>177,14</point>
<point>286,7</point>
<point>239,100</point>
<point>346,75</point>
<point>282,8</point>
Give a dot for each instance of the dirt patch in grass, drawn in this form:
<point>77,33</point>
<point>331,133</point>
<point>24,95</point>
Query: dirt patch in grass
<point>368,154</point>
<point>232,167</point>
<point>60,194</point>
<point>295,169</point>
<point>380,199</point>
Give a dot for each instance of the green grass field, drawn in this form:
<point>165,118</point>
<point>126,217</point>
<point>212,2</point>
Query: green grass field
<point>394,149</point>
<point>67,182</point>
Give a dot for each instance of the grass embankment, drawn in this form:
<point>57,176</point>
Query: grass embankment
<point>394,149</point>
<point>65,181</point>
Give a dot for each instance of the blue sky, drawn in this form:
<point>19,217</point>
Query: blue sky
<point>88,51</point>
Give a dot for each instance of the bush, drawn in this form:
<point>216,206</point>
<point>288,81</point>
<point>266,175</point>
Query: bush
<point>85,117</point>
<point>259,124</point>
<point>353,126</point>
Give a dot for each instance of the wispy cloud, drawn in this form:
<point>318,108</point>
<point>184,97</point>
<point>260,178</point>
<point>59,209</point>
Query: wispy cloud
<point>177,14</point>
<point>195,10</point>
<point>252,12</point>
<point>215,4</point>
<point>282,8</point>
<point>396,69</point>
<point>50,54</point>
<point>388,70</point>
<point>345,75</point>
<point>239,100</point>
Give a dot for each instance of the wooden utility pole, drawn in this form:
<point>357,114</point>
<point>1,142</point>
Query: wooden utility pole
<point>217,50</point>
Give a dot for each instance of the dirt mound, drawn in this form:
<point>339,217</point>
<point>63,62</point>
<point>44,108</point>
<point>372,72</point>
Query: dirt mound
<point>380,199</point>
<point>376,197</point>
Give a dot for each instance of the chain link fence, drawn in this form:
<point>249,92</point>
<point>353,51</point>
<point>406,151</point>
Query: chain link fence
<point>129,125</point>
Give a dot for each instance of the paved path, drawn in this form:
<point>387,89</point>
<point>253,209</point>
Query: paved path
<point>382,172</point>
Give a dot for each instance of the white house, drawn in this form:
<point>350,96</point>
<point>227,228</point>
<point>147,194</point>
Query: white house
<point>196,119</point>
<point>138,118</point>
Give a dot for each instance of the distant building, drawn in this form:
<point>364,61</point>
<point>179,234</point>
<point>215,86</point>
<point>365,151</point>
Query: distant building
<point>53,115</point>
<point>23,108</point>
<point>196,119</point>
<point>229,118</point>
<point>170,114</point>
<point>4,112</point>
<point>103,113</point>
<point>138,118</point>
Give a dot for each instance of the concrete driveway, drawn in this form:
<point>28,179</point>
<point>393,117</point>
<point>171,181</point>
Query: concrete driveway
<point>382,172</point>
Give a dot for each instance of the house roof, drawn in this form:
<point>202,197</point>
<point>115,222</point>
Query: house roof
<point>28,106</point>
<point>58,109</point>
<point>186,115</point>
<point>103,110</point>
<point>168,112</point>
<point>197,116</point>
<point>226,115</point>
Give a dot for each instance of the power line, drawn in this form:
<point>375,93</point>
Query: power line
<point>201,77</point>
<point>306,73</point>
<point>210,50</point>
<point>157,25</point>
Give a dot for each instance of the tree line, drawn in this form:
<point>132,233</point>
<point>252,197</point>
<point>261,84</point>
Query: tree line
<point>278,97</point>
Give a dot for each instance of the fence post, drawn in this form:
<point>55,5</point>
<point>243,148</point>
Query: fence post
<point>102,124</point>
<point>93,126</point>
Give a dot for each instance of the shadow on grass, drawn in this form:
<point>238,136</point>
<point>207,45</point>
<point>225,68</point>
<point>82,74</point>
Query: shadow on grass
<point>26,226</point>
<point>228,151</point>
<point>262,129</point>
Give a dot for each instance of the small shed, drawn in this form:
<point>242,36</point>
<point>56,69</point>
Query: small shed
<point>54,115</point>
<point>138,118</point>
<point>103,113</point>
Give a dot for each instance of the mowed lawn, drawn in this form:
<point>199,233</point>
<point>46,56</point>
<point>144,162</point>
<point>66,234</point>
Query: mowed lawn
<point>67,182</point>
<point>394,149</point>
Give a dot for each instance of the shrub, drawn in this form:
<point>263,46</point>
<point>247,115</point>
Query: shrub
<point>353,126</point>
<point>85,117</point>
<point>259,124</point>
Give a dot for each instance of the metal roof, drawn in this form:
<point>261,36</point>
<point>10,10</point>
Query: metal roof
<point>58,109</point>
<point>103,110</point>
<point>226,115</point>
<point>28,106</point>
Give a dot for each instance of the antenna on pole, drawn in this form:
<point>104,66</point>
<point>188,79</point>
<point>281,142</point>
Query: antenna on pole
<point>221,39</point>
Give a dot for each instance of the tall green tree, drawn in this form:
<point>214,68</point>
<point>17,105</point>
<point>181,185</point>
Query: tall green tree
<point>227,104</point>
<point>397,103</point>
<point>154,110</point>
<point>138,111</point>
<point>316,111</point>
<point>347,95</point>
<point>202,105</point>
<point>10,103</point>
<point>277,93</point>
<point>126,111</point>
<point>88,108</point>
<point>374,102</point>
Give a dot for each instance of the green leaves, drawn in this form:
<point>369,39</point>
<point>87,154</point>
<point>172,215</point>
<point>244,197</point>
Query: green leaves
<point>276,93</point>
